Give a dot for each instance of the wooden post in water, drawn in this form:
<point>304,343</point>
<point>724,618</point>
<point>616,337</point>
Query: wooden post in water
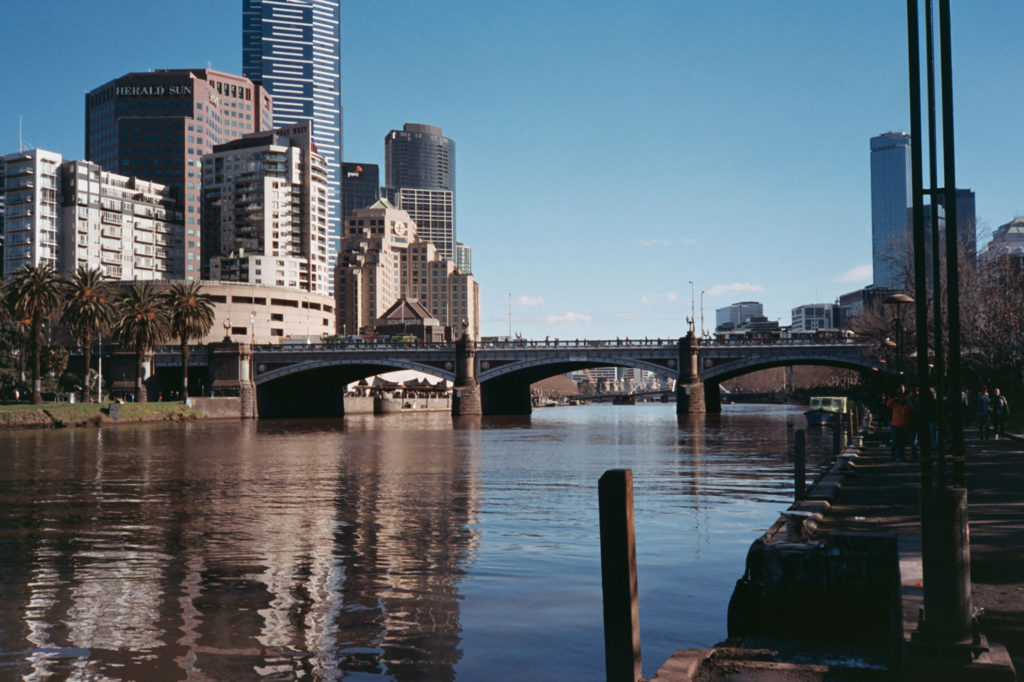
<point>837,435</point>
<point>799,464</point>
<point>618,577</point>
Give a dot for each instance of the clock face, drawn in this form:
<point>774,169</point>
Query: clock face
<point>400,229</point>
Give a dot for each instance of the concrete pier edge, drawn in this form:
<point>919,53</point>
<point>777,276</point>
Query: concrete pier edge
<point>799,524</point>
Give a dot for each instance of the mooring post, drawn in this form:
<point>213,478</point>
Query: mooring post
<point>618,577</point>
<point>799,464</point>
<point>837,435</point>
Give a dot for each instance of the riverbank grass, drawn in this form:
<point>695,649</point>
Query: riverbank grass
<point>14,415</point>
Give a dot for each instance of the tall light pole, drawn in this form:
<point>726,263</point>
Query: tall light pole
<point>702,313</point>
<point>693,310</point>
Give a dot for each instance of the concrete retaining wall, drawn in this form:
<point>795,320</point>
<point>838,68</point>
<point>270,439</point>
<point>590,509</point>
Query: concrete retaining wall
<point>219,408</point>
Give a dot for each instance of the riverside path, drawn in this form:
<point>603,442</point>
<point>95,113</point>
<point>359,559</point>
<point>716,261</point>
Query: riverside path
<point>881,496</point>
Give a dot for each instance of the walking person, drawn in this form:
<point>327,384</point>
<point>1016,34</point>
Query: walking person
<point>900,421</point>
<point>1000,410</point>
<point>982,411</point>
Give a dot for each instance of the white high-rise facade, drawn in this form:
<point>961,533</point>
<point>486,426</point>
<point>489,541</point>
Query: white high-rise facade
<point>292,48</point>
<point>70,214</point>
<point>265,211</point>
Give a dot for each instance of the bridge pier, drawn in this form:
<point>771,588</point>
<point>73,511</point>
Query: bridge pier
<point>712,396</point>
<point>466,393</point>
<point>230,373</point>
<point>689,386</point>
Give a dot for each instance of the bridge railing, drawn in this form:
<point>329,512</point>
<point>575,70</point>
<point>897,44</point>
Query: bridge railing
<point>519,344</point>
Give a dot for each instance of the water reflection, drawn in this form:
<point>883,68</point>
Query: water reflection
<point>235,552</point>
<point>399,547</point>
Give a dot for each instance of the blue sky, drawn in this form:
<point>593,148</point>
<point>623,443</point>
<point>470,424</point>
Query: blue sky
<point>607,153</point>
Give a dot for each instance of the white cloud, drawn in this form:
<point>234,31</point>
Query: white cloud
<point>529,301</point>
<point>687,240</point>
<point>568,317</point>
<point>654,242</point>
<point>657,298</point>
<point>858,273</point>
<point>735,286</point>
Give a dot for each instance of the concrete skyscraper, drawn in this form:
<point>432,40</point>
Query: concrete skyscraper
<point>292,48</point>
<point>419,174</point>
<point>891,199</point>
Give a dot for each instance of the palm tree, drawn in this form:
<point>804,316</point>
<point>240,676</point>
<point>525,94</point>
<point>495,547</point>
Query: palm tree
<point>142,325</point>
<point>191,313</point>
<point>35,291</point>
<point>89,310</point>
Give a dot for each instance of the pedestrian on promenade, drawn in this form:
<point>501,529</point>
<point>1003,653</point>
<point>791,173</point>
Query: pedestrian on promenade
<point>899,421</point>
<point>1000,411</point>
<point>967,406</point>
<point>982,411</point>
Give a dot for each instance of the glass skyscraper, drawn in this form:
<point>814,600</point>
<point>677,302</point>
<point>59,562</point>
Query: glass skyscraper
<point>890,215</point>
<point>419,169</point>
<point>292,48</point>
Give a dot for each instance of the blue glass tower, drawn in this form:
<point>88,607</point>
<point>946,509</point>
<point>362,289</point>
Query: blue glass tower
<point>292,48</point>
<point>890,202</point>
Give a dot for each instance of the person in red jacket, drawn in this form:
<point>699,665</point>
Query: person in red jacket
<point>900,423</point>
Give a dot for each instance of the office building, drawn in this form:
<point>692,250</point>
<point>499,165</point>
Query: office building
<point>463,258</point>
<point>69,214</point>
<point>890,203</point>
<point>360,187</point>
<point>735,315</point>
<point>813,316</point>
<point>419,176</point>
<point>158,125</point>
<point>292,48</point>
<point>265,210</point>
<point>383,260</point>
<point>1007,244</point>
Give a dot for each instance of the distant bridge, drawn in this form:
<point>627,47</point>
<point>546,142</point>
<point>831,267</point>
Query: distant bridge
<point>308,380</point>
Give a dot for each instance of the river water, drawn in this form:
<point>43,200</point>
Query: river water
<point>405,547</point>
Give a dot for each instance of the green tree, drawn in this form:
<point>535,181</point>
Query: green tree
<point>143,324</point>
<point>191,317</point>
<point>88,312</point>
<point>35,292</point>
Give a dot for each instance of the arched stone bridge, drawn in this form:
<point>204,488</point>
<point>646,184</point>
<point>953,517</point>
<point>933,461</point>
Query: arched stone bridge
<point>495,378</point>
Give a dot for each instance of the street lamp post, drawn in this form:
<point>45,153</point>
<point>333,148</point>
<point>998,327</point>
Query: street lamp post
<point>702,332</point>
<point>898,301</point>
<point>693,310</point>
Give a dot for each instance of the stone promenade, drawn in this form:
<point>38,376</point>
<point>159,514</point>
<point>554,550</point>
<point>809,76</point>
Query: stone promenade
<point>881,496</point>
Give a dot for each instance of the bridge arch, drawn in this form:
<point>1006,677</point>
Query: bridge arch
<point>316,387</point>
<point>363,367</point>
<point>505,389</point>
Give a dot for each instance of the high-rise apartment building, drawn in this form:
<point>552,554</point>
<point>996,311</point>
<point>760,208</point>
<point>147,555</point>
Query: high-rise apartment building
<point>265,202</point>
<point>891,200</point>
<point>68,214</point>
<point>360,187</point>
<point>419,170</point>
<point>292,48</point>
<point>158,125</point>
<point>383,259</point>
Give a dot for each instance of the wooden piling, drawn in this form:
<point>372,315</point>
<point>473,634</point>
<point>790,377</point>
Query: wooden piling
<point>799,464</point>
<point>837,435</point>
<point>618,577</point>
